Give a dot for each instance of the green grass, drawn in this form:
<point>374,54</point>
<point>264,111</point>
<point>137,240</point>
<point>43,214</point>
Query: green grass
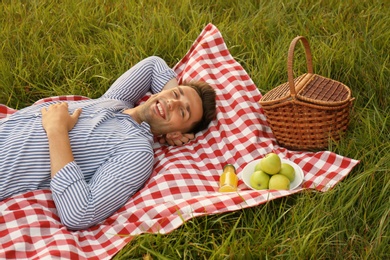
<point>80,47</point>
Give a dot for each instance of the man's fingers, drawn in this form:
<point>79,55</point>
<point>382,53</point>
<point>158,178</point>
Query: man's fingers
<point>77,113</point>
<point>176,139</point>
<point>62,104</point>
<point>174,136</point>
<point>178,142</point>
<point>190,136</point>
<point>184,140</point>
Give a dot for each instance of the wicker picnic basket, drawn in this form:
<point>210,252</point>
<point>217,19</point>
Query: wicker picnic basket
<point>307,112</point>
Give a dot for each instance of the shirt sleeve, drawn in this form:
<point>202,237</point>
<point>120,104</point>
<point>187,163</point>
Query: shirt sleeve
<point>81,205</point>
<point>150,74</point>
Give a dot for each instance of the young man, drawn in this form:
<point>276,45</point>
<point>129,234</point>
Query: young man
<point>95,154</point>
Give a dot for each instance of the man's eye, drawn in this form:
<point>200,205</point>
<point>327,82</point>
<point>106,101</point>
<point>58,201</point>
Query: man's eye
<point>182,112</point>
<point>175,94</point>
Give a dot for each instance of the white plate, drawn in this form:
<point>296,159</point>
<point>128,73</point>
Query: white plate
<point>245,174</point>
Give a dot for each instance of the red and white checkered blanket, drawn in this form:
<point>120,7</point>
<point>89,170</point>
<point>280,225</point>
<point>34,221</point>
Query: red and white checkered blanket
<point>185,181</point>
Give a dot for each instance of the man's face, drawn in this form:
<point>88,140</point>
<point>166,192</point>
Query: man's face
<point>173,110</point>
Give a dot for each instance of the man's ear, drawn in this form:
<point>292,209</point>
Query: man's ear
<point>174,135</point>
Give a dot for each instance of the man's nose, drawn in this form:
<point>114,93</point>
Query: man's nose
<point>173,103</point>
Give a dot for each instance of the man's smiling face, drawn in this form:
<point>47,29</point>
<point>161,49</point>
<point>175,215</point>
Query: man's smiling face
<point>173,110</point>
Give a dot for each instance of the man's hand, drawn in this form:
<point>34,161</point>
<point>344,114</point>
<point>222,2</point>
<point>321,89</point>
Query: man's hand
<point>57,122</point>
<point>178,139</point>
<point>57,118</point>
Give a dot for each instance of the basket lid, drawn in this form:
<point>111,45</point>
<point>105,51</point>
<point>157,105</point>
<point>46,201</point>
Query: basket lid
<point>282,92</point>
<point>324,91</point>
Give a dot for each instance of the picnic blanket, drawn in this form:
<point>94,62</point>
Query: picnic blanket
<point>185,180</point>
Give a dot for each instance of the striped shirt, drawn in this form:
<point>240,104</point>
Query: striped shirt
<point>113,154</point>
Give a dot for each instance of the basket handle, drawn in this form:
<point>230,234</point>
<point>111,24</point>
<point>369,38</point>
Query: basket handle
<point>290,61</point>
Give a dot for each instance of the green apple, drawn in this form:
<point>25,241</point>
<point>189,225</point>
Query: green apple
<point>288,171</point>
<point>279,182</point>
<point>270,164</point>
<point>259,180</point>
<point>257,167</point>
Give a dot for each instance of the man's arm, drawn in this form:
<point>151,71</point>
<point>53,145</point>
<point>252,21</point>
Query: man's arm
<point>57,123</point>
<point>150,74</point>
<point>81,205</point>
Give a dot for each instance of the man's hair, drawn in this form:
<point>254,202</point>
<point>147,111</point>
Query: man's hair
<point>207,95</point>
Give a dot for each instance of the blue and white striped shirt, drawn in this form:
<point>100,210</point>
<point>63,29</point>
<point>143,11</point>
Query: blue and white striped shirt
<point>113,154</point>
